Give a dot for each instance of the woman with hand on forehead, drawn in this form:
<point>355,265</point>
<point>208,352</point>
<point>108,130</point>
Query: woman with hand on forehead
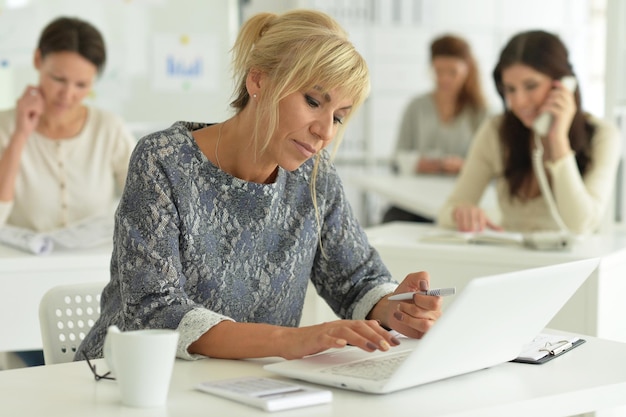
<point>62,161</point>
<point>222,226</point>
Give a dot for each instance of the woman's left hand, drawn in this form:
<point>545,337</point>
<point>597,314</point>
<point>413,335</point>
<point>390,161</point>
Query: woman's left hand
<point>412,318</point>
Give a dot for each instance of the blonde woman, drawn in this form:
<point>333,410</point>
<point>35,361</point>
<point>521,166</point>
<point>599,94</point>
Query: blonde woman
<point>222,226</point>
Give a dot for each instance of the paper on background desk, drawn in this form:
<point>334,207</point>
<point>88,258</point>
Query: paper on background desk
<point>26,239</point>
<point>84,234</point>
<point>485,236</point>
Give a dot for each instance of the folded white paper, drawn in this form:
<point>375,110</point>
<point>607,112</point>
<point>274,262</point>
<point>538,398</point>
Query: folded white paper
<point>37,243</point>
<point>84,234</point>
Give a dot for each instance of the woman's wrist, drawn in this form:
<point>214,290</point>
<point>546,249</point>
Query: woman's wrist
<point>379,312</point>
<point>558,148</point>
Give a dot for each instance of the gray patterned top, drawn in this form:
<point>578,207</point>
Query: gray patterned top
<point>194,245</point>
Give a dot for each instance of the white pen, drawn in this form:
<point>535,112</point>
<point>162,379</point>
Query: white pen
<point>436,291</point>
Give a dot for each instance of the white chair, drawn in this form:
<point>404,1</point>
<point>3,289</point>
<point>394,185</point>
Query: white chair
<point>66,313</point>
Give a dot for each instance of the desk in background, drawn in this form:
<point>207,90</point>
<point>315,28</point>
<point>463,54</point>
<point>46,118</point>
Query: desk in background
<point>597,308</point>
<point>590,377</point>
<point>25,278</point>
<point>419,194</point>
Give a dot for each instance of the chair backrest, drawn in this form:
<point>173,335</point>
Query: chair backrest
<point>66,313</point>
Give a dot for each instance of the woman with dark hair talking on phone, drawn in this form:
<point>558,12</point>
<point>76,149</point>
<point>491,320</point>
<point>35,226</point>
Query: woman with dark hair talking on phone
<point>580,152</point>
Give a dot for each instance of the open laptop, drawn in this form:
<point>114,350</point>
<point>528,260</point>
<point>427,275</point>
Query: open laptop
<point>487,324</point>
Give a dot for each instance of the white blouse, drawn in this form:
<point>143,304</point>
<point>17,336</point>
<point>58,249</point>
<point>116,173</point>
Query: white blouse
<point>67,180</point>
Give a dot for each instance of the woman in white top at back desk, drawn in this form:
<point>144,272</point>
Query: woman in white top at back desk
<point>60,160</point>
<point>438,126</point>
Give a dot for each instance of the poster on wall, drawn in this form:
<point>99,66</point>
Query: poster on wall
<point>185,63</point>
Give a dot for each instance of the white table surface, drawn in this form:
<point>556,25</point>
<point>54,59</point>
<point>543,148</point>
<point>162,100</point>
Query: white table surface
<point>420,194</point>
<point>597,308</point>
<point>591,376</point>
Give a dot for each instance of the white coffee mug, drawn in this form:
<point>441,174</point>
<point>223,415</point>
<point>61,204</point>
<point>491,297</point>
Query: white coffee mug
<point>142,362</point>
<point>406,162</point>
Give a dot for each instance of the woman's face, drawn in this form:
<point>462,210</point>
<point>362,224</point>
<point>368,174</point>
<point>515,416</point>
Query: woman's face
<point>450,74</point>
<point>65,79</point>
<point>308,121</point>
<point>525,90</point>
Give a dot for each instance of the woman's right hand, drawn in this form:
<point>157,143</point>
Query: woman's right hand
<point>470,218</point>
<point>365,334</point>
<point>30,107</point>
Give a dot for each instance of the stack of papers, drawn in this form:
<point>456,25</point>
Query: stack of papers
<point>84,234</point>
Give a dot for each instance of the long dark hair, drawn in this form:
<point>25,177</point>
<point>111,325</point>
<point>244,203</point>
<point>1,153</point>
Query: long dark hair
<point>471,93</point>
<point>544,52</point>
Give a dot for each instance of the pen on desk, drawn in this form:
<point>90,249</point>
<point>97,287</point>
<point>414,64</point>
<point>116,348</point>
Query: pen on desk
<point>436,291</point>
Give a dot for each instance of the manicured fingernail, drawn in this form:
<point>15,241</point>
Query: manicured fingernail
<point>384,345</point>
<point>423,285</point>
<point>395,341</point>
<point>397,315</point>
<point>371,346</point>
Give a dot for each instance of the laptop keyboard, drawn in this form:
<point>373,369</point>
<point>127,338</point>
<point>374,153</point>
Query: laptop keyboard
<point>375,369</point>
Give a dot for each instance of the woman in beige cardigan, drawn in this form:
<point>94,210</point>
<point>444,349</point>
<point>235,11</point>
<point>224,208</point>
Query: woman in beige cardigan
<point>581,152</point>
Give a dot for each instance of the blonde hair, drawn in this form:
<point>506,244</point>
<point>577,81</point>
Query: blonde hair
<point>297,51</point>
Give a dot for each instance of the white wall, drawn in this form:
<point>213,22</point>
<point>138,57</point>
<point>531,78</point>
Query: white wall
<point>615,99</point>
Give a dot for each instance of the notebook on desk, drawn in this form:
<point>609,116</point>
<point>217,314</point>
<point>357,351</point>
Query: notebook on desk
<point>487,324</point>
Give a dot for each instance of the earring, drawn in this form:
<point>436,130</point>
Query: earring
<point>254,96</point>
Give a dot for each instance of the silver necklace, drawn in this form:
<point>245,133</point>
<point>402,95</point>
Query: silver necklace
<point>217,143</point>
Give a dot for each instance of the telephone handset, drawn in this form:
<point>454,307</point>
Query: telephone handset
<point>543,122</point>
<point>561,239</point>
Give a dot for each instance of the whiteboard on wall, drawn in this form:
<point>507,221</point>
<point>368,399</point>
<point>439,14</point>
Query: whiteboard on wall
<point>167,60</point>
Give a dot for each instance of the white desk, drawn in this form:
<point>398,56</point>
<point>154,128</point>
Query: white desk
<point>419,194</point>
<point>590,377</point>
<point>597,308</point>
<point>26,277</point>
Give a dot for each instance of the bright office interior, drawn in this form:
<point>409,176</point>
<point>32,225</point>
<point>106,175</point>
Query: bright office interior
<point>393,36</point>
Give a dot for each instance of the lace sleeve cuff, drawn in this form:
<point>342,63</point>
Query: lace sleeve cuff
<point>193,325</point>
<point>367,303</point>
